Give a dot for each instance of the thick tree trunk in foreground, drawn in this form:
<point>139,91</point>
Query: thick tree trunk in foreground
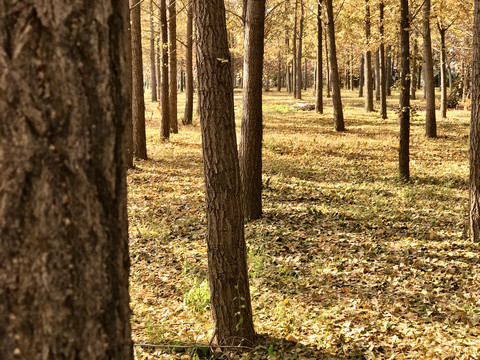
<point>368,63</point>
<point>153,66</point>
<point>429,85</point>
<point>188,117</point>
<point>319,71</point>
<point>164,98</point>
<point>475,131</point>
<point>227,259</point>
<point>172,65</point>
<point>252,127</point>
<point>64,260</point>
<point>337,100</point>
<point>138,100</point>
<point>404,115</point>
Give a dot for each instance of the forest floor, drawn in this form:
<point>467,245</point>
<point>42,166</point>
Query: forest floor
<point>347,262</point>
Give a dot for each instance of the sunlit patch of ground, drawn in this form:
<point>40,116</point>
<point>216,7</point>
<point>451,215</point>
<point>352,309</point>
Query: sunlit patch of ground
<point>348,262</point>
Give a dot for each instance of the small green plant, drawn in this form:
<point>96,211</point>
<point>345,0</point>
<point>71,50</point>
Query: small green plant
<point>198,297</point>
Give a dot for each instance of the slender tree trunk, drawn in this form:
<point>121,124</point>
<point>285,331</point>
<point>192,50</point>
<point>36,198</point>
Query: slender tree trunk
<point>138,101</point>
<point>475,131</point>
<point>383,73</point>
<point>388,66</point>
<point>129,83</point>
<point>172,64</point>
<point>450,85</point>
<point>305,80</point>
<point>299,53</point>
<point>413,84</point>
<point>404,115</point>
<point>337,100</point>
<point>319,72</point>
<point>159,65</point>
<point>294,61</point>
<point>188,117</point>
<point>164,98</point>
<point>252,127</point>
<point>279,72</point>
<point>64,260</point>
<point>227,258</point>
<point>329,85</point>
<point>368,62</point>
<point>429,86</point>
<point>153,66</point>
<point>361,80</point>
<point>377,75</point>
<point>443,71</point>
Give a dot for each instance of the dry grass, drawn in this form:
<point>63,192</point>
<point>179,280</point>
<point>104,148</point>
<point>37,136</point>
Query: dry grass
<point>347,261</point>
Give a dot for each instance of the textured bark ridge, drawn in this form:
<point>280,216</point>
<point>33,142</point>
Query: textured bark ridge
<point>227,266</point>
<point>63,222</point>
<point>475,131</point>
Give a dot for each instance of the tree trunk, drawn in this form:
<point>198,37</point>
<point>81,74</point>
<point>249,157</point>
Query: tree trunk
<point>361,80</point>
<point>368,62</point>
<point>164,98</point>
<point>475,131</point>
<point>251,127</point>
<point>153,66</point>
<point>299,54</point>
<point>337,100</point>
<point>377,75</point>
<point>404,115</point>
<point>443,71</point>
<point>329,85</point>
<point>413,84</point>
<point>227,259</point>
<point>429,85</point>
<point>138,100</point>
<point>188,117</point>
<point>294,61</point>
<point>383,73</point>
<point>319,72</point>
<point>129,83</point>
<point>64,260</point>
<point>172,64</point>
<point>388,68</point>
<point>279,72</point>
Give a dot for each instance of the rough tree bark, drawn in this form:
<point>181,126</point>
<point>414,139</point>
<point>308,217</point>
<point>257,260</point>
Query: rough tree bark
<point>188,117</point>
<point>227,259</point>
<point>475,130</point>
<point>164,99</point>
<point>252,126</point>
<point>319,71</point>
<point>138,100</point>
<point>153,66</point>
<point>429,85</point>
<point>368,62</point>
<point>172,65</point>
<point>336,96</point>
<point>64,102</point>
<point>377,75</point>
<point>404,114</point>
